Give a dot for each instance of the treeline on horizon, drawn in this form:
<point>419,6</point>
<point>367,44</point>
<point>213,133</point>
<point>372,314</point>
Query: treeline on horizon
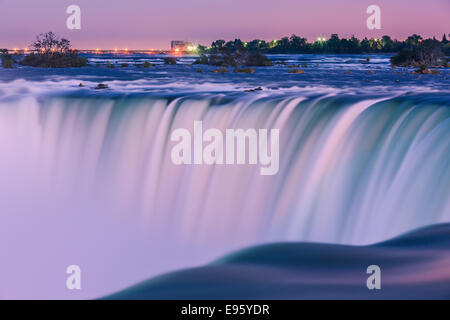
<point>296,44</point>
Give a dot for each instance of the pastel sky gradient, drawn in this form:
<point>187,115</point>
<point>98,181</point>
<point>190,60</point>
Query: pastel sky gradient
<point>144,24</point>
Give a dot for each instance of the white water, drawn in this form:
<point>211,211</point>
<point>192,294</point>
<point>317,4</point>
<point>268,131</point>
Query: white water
<point>89,181</point>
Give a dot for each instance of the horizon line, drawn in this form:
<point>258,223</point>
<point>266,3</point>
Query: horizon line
<point>125,48</point>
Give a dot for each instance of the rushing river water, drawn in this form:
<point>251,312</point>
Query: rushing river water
<point>87,177</point>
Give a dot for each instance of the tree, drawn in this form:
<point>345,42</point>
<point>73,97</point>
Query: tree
<point>283,43</point>
<point>230,45</point>
<point>365,45</point>
<point>388,44</point>
<point>49,42</point>
<point>334,43</point>
<point>297,43</point>
<point>218,44</point>
<point>413,40</point>
<point>238,44</point>
<point>52,52</point>
<point>355,44</point>
<point>256,45</point>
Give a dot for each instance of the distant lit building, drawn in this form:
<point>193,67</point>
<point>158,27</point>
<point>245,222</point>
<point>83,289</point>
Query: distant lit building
<point>178,45</point>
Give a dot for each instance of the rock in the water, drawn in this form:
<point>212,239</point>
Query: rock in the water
<point>244,70</point>
<point>257,60</point>
<point>220,70</point>
<point>253,90</point>
<point>101,86</point>
<point>424,70</point>
<point>298,71</point>
<point>170,60</point>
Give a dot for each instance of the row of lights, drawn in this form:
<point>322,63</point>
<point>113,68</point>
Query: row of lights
<point>54,50</point>
<point>191,48</point>
<point>16,50</point>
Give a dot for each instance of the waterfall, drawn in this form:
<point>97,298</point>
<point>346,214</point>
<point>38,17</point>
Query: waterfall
<point>90,181</point>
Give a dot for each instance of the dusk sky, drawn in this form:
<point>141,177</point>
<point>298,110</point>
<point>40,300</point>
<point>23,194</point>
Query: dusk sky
<point>145,24</point>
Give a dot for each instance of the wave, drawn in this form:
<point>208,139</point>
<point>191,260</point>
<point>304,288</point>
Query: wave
<point>163,84</point>
<point>412,266</point>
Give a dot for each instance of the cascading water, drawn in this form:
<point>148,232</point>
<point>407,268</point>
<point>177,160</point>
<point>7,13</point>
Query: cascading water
<point>90,181</point>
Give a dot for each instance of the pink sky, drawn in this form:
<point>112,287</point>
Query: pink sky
<point>145,24</point>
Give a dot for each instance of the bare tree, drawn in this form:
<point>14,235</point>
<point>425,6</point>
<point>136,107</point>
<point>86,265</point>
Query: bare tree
<point>49,42</point>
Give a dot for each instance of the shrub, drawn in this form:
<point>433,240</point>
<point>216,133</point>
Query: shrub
<point>53,60</point>
<point>7,59</point>
<point>446,49</point>
<point>7,62</point>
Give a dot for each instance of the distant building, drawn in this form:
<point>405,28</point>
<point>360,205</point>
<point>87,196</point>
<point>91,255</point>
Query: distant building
<point>178,45</point>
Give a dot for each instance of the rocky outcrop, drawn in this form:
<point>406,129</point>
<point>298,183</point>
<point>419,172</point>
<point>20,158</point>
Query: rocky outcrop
<point>170,60</point>
<point>428,54</point>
